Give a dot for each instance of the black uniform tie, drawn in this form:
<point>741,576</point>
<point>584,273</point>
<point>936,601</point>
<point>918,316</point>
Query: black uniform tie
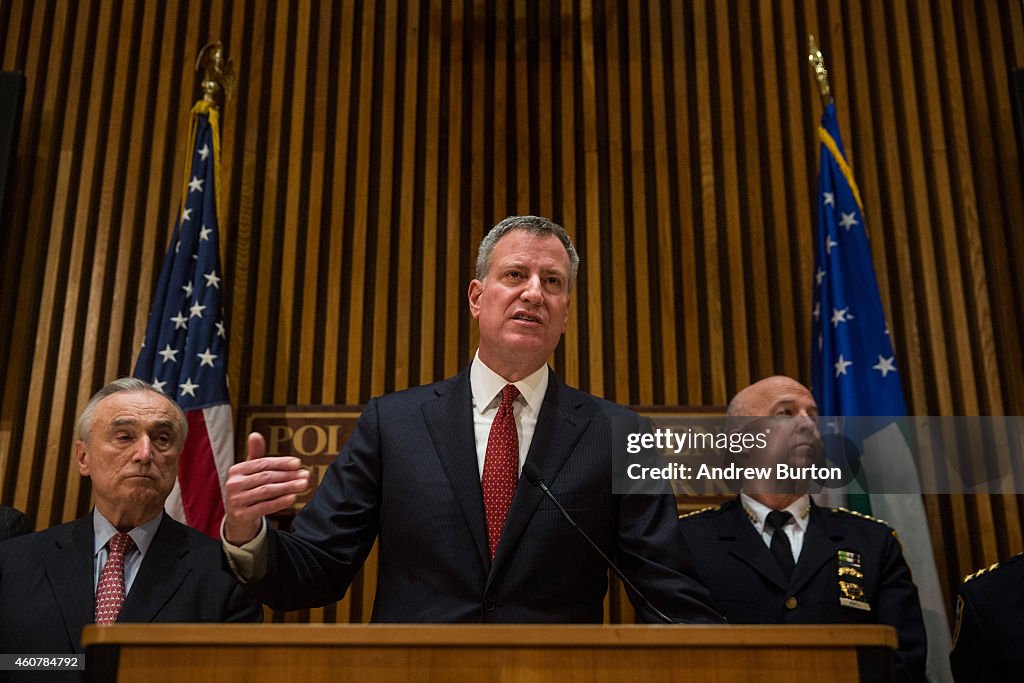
<point>781,548</point>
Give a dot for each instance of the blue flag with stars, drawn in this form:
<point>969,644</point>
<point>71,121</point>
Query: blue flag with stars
<point>184,353</point>
<point>854,373</point>
<point>853,367</point>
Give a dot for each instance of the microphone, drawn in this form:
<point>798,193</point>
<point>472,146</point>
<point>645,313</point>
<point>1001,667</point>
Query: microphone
<point>532,474</point>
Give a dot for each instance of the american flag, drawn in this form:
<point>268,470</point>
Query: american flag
<point>854,373</point>
<point>184,353</point>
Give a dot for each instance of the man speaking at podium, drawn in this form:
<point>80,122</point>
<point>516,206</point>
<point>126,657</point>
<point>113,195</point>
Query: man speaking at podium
<point>433,472</point>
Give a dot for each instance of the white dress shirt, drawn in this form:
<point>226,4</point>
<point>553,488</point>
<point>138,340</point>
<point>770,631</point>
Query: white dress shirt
<point>103,531</point>
<point>486,386</point>
<point>795,528</point>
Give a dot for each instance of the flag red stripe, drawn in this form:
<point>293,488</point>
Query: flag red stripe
<point>197,477</point>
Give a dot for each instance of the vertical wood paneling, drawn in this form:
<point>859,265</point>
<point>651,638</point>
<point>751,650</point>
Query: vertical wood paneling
<point>665,258</point>
<point>369,145</point>
<point>565,77</point>
<point>708,217</point>
<point>634,101</point>
<point>594,288</point>
<point>310,276</point>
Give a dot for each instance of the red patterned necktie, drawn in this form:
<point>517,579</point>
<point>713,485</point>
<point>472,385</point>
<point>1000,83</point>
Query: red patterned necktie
<point>110,590</point>
<point>501,467</point>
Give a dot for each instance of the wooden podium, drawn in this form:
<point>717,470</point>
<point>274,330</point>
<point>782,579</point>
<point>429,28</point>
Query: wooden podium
<point>310,653</point>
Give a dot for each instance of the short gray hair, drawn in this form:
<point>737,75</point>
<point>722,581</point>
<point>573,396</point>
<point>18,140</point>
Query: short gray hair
<point>535,225</point>
<point>86,420</point>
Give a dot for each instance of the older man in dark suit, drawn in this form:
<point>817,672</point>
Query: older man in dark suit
<point>433,473</point>
<point>773,557</point>
<point>127,561</point>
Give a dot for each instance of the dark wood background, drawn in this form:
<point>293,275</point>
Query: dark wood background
<point>369,145</point>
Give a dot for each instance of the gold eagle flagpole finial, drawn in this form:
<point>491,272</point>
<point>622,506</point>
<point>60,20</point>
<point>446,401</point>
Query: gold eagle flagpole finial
<point>820,72</point>
<point>218,71</point>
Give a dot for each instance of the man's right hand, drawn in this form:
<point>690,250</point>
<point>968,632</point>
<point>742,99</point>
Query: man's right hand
<point>259,486</point>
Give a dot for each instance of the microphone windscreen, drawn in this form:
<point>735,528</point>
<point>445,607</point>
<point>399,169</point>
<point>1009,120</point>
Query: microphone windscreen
<point>532,473</point>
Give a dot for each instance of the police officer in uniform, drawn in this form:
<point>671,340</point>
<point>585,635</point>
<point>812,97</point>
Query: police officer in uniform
<point>772,557</point>
<point>988,643</point>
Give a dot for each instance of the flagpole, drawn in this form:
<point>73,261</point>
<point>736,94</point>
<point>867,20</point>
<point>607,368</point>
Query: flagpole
<point>820,72</point>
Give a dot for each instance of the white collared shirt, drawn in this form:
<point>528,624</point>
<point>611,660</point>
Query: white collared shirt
<point>103,531</point>
<point>486,386</point>
<point>795,528</point>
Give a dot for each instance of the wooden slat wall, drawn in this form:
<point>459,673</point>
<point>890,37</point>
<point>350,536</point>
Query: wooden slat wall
<point>369,145</point>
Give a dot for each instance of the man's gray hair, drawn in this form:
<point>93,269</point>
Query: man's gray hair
<point>535,225</point>
<point>87,419</point>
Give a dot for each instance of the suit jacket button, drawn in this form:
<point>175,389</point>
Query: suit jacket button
<point>489,605</point>
<point>791,602</point>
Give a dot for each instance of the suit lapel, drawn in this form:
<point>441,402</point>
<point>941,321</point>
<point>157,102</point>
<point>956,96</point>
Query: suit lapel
<point>560,424</point>
<point>69,570</point>
<point>159,576</point>
<point>449,419</point>
<point>746,545</point>
<point>819,547</point>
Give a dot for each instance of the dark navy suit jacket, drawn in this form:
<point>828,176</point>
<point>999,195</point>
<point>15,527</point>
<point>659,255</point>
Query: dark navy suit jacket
<point>47,594</point>
<point>749,587</point>
<point>409,476</point>
<point>12,523</point>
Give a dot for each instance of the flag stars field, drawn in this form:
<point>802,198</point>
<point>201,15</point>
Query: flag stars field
<point>840,316</point>
<point>885,365</point>
<point>848,221</point>
<point>195,185</point>
<point>841,365</point>
<point>169,354</point>
<point>206,358</point>
<point>187,388</point>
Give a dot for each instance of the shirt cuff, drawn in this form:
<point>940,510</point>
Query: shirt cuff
<point>249,560</point>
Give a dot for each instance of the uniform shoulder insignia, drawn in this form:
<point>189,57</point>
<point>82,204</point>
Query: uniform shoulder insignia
<point>863,516</point>
<point>980,572</point>
<point>997,565</point>
<point>702,510</point>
